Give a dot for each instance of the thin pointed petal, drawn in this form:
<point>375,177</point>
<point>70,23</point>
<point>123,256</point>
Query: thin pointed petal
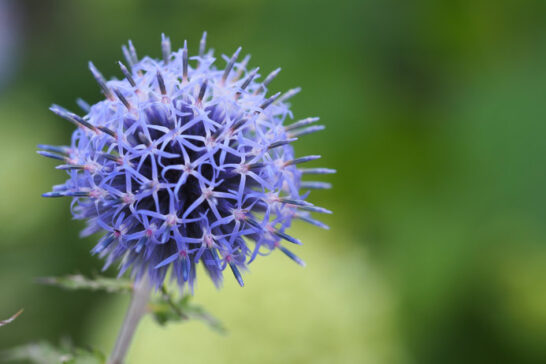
<point>230,64</point>
<point>312,221</point>
<point>320,210</point>
<point>52,155</point>
<point>185,269</point>
<point>122,99</point>
<point>271,76</point>
<point>103,243</point>
<point>267,80</point>
<point>294,202</point>
<point>203,44</point>
<point>161,83</point>
<point>169,260</point>
<point>306,131</point>
<point>104,129</point>
<point>269,101</point>
<point>77,194</point>
<point>69,167</point>
<point>302,160</point>
<point>242,67</point>
<point>133,52</point>
<point>82,104</point>
<point>237,274</point>
<point>316,185</point>
<point>290,93</point>
<point>67,115</point>
<point>301,123</point>
<point>185,62</point>
<point>317,171</point>
<point>286,237</point>
<point>165,48</point>
<point>55,149</point>
<point>281,143</point>
<point>202,91</point>
<point>53,194</point>
<point>127,74</point>
<point>101,81</point>
<point>292,256</point>
<point>127,55</point>
<point>249,78</point>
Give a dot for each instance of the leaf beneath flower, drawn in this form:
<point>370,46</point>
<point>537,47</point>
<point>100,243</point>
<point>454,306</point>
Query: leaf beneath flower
<point>5,322</point>
<point>168,309</point>
<point>98,283</point>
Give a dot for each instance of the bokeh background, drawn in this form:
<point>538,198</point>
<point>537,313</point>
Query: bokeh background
<point>435,119</point>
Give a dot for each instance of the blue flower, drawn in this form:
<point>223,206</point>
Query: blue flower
<point>183,163</point>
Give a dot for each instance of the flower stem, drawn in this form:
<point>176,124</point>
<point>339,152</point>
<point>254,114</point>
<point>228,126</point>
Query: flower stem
<point>137,309</point>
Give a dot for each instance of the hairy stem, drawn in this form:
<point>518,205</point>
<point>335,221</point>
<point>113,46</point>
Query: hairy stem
<point>137,309</point>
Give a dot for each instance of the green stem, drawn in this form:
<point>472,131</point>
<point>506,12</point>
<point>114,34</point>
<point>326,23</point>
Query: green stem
<point>137,309</point>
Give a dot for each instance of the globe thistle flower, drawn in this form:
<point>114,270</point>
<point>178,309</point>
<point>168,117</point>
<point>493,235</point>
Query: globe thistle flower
<point>183,163</point>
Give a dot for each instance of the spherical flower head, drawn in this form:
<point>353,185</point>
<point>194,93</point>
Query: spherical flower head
<point>184,164</point>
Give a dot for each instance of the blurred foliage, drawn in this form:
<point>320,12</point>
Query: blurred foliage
<point>98,283</point>
<point>45,353</point>
<point>435,123</point>
<point>164,307</point>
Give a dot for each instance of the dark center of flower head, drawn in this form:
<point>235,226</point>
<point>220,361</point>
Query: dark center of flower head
<point>184,164</point>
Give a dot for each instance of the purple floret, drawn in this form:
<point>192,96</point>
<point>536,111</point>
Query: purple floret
<point>184,163</point>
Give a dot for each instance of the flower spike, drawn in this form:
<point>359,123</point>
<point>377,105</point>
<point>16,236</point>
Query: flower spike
<point>180,166</point>
<point>101,81</point>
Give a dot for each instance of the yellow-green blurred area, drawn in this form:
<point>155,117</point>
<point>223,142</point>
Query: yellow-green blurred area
<point>435,120</point>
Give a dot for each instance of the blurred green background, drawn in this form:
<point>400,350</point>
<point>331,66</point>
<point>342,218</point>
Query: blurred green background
<point>435,119</point>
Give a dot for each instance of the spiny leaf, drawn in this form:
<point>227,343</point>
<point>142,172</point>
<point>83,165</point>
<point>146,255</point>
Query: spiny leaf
<point>98,283</point>
<point>46,353</point>
<point>167,309</point>
<point>5,322</point>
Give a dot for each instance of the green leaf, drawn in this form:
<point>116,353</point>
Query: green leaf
<point>38,353</point>
<point>46,353</point>
<point>5,322</point>
<point>167,309</point>
<point>85,356</point>
<point>98,283</point>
